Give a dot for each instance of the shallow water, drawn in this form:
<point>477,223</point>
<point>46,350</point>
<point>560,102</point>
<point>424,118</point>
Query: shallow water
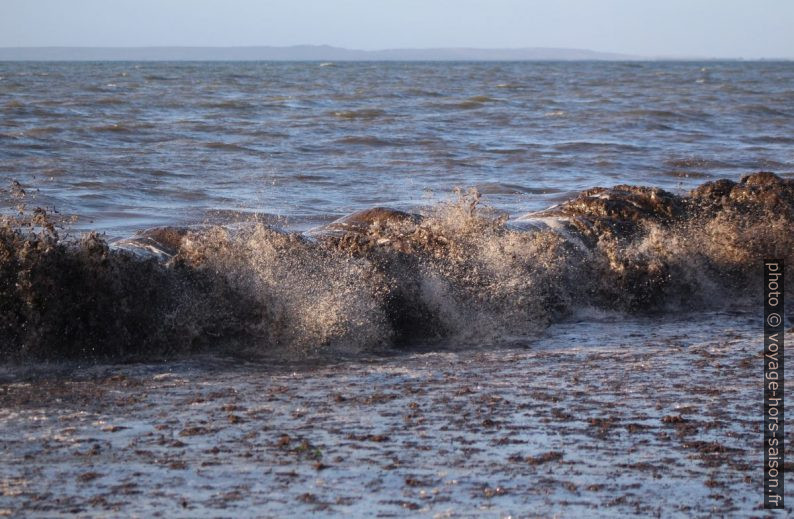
<point>127,146</point>
<point>595,419</point>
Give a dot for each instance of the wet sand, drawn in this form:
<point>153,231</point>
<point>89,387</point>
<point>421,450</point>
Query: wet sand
<point>599,418</point>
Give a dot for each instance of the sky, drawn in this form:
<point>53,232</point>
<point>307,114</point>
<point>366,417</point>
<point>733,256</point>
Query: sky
<point>653,28</point>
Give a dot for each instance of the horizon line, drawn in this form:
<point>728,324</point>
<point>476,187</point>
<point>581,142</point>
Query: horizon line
<point>386,54</point>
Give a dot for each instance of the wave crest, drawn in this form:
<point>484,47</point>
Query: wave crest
<point>380,278</point>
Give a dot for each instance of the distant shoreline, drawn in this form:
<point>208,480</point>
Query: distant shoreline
<point>395,61</point>
<point>324,53</point>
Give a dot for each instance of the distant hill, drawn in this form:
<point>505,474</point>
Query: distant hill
<point>296,53</point>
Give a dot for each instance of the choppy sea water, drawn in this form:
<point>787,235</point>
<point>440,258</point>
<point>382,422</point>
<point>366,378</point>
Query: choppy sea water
<point>132,145</point>
<point>594,359</point>
<point>239,153</point>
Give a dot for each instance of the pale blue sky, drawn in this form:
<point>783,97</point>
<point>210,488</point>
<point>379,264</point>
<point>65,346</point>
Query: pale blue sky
<point>705,28</point>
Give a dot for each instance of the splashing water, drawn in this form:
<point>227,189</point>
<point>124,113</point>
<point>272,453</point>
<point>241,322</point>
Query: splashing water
<point>460,275</point>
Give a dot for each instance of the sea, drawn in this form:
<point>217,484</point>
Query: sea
<point>382,288</point>
<point>126,146</point>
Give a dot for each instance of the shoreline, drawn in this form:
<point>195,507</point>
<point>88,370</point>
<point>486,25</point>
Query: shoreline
<point>597,419</point>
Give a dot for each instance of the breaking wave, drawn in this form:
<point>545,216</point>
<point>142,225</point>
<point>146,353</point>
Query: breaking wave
<point>460,274</point>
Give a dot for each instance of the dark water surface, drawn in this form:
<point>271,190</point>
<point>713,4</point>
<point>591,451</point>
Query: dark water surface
<point>126,145</point>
